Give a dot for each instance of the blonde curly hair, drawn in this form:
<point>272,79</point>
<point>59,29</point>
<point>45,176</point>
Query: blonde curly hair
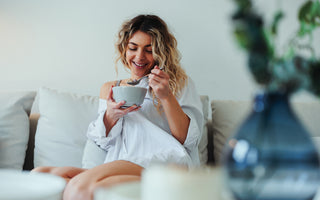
<point>164,49</point>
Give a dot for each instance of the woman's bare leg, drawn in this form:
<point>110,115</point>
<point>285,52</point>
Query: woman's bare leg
<point>65,172</point>
<point>117,179</point>
<point>83,185</point>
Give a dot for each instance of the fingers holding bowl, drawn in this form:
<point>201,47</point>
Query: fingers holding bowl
<point>133,96</point>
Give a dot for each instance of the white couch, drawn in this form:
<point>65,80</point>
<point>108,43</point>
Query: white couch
<point>48,127</point>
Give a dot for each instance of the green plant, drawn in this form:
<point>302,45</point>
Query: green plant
<point>296,68</point>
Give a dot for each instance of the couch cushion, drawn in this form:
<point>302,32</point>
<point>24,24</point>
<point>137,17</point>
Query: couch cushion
<point>309,114</point>
<point>62,126</point>
<point>14,127</point>
<point>227,115</point>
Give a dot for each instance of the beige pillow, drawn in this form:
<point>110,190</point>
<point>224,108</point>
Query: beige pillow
<point>227,115</point>
<point>309,115</point>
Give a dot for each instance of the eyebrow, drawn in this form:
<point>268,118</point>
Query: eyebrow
<point>149,45</point>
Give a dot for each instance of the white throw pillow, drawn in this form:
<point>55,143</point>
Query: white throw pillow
<point>14,127</point>
<point>62,126</point>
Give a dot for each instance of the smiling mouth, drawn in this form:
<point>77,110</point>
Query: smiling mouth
<point>139,65</point>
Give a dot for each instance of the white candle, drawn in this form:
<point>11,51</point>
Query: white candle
<point>174,183</point>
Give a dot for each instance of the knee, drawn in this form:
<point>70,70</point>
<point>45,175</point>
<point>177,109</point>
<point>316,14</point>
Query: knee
<point>114,180</point>
<point>58,171</point>
<point>65,172</point>
<point>43,169</point>
<point>78,189</point>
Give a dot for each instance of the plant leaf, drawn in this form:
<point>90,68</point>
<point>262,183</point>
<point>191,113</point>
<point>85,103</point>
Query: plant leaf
<point>244,4</point>
<point>276,19</point>
<point>304,10</point>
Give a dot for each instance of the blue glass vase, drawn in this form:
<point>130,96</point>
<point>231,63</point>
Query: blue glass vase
<point>272,156</point>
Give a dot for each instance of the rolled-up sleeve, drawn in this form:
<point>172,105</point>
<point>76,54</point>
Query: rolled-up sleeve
<point>191,104</point>
<point>97,130</point>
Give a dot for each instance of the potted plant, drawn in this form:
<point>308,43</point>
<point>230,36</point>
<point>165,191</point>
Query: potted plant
<point>271,155</point>
<point>294,69</point>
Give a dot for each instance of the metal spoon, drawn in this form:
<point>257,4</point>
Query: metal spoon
<point>137,81</point>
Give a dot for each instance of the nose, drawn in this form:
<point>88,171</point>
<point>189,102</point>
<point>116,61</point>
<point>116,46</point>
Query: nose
<point>140,54</point>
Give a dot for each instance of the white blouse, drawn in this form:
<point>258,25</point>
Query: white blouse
<point>144,137</point>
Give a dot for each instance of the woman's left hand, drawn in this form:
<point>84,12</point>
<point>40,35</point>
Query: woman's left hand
<point>159,82</point>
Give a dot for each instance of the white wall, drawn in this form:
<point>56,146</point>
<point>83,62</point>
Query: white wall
<point>69,44</point>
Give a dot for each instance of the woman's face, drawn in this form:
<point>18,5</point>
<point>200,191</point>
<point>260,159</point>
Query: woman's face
<point>139,54</point>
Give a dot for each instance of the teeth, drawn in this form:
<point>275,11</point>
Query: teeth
<point>140,65</point>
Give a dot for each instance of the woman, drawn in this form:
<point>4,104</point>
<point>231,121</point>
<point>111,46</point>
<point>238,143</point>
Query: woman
<point>166,128</point>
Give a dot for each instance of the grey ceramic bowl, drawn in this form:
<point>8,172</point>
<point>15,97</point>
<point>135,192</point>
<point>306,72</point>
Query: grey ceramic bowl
<point>132,95</point>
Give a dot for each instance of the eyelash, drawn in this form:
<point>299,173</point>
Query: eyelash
<point>131,49</point>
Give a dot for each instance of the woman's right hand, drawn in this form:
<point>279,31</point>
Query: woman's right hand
<point>114,111</point>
